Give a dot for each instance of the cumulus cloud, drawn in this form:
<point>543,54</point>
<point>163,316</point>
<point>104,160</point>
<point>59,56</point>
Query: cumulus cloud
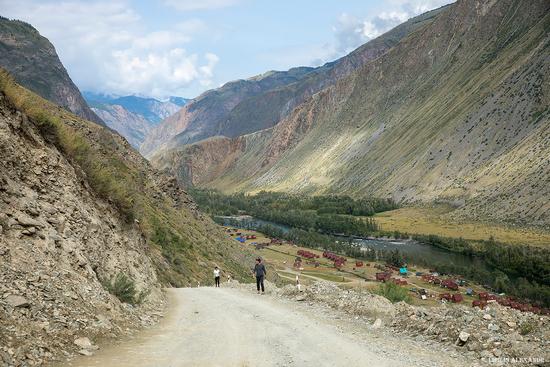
<point>350,32</point>
<point>105,47</point>
<point>188,5</point>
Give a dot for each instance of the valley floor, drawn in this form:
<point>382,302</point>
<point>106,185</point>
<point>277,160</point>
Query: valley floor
<point>439,221</point>
<point>233,326</point>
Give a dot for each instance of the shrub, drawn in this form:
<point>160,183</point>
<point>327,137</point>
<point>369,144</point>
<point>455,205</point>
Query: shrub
<point>393,292</point>
<point>124,288</point>
<point>526,328</point>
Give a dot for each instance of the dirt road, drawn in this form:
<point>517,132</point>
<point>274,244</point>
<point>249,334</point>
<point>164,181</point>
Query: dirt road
<point>233,327</point>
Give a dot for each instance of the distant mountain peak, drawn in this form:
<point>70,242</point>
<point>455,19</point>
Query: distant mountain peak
<point>33,62</point>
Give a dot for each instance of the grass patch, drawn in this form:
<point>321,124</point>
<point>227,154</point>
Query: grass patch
<point>527,327</point>
<point>325,276</point>
<point>429,221</point>
<point>393,292</point>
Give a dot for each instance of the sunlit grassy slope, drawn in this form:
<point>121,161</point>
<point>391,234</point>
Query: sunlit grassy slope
<point>436,220</point>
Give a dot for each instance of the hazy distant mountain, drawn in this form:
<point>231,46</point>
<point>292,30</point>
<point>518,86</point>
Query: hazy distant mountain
<point>457,111</point>
<point>33,62</point>
<point>133,116</point>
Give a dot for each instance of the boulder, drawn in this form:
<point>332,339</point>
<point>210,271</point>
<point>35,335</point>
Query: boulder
<point>462,338</point>
<point>83,343</point>
<point>27,221</point>
<point>493,327</point>
<point>17,301</point>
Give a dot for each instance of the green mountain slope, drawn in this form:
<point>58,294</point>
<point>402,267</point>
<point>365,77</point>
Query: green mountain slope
<point>457,111</point>
<point>32,60</point>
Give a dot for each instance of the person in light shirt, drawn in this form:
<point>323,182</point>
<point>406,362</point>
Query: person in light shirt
<point>217,276</point>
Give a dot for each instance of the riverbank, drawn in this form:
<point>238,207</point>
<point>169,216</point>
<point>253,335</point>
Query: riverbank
<point>438,220</point>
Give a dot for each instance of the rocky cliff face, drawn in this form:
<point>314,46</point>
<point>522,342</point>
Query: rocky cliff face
<point>132,126</point>
<point>458,111</point>
<point>32,60</point>
<point>77,207</point>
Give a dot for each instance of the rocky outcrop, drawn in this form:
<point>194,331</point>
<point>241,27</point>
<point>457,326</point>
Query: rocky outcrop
<point>34,63</point>
<point>79,207</point>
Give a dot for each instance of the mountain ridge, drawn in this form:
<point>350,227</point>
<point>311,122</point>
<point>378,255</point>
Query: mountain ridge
<point>34,63</point>
<point>246,106</point>
<point>423,122</point>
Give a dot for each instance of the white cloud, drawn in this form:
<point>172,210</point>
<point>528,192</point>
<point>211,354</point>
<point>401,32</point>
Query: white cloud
<point>351,32</point>
<point>106,48</point>
<point>189,5</point>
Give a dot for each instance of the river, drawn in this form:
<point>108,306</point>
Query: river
<point>412,250</point>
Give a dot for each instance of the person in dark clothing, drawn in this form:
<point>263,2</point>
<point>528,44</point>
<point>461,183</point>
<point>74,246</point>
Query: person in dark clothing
<point>217,276</point>
<point>260,273</point>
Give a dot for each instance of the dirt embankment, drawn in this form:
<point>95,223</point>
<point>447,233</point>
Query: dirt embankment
<point>58,241</point>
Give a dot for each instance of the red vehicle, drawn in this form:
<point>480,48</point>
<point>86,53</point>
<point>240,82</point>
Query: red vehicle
<point>358,264</point>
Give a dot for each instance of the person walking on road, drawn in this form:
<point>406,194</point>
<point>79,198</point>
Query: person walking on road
<point>260,273</point>
<point>217,277</point>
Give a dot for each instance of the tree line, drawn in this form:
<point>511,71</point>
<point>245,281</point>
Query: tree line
<point>329,214</point>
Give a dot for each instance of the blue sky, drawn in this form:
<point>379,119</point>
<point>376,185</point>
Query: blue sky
<point>184,47</point>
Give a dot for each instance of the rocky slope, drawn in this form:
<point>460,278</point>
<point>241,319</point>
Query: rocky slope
<point>246,106</point>
<point>132,126</point>
<point>32,60</point>
<point>458,111</point>
<point>132,116</point>
<point>491,336</point>
<point>77,207</point>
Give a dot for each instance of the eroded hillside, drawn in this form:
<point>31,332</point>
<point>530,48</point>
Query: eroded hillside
<point>77,207</point>
<point>458,111</point>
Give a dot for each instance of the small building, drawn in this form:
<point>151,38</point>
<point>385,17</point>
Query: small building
<point>383,277</point>
<point>448,283</point>
<point>457,298</point>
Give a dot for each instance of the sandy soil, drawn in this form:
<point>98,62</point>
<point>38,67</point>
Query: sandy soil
<point>235,327</point>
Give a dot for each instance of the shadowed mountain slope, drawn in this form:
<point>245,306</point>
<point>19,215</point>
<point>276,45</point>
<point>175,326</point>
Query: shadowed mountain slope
<point>33,62</point>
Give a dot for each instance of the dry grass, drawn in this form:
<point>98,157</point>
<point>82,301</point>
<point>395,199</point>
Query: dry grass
<point>436,221</point>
